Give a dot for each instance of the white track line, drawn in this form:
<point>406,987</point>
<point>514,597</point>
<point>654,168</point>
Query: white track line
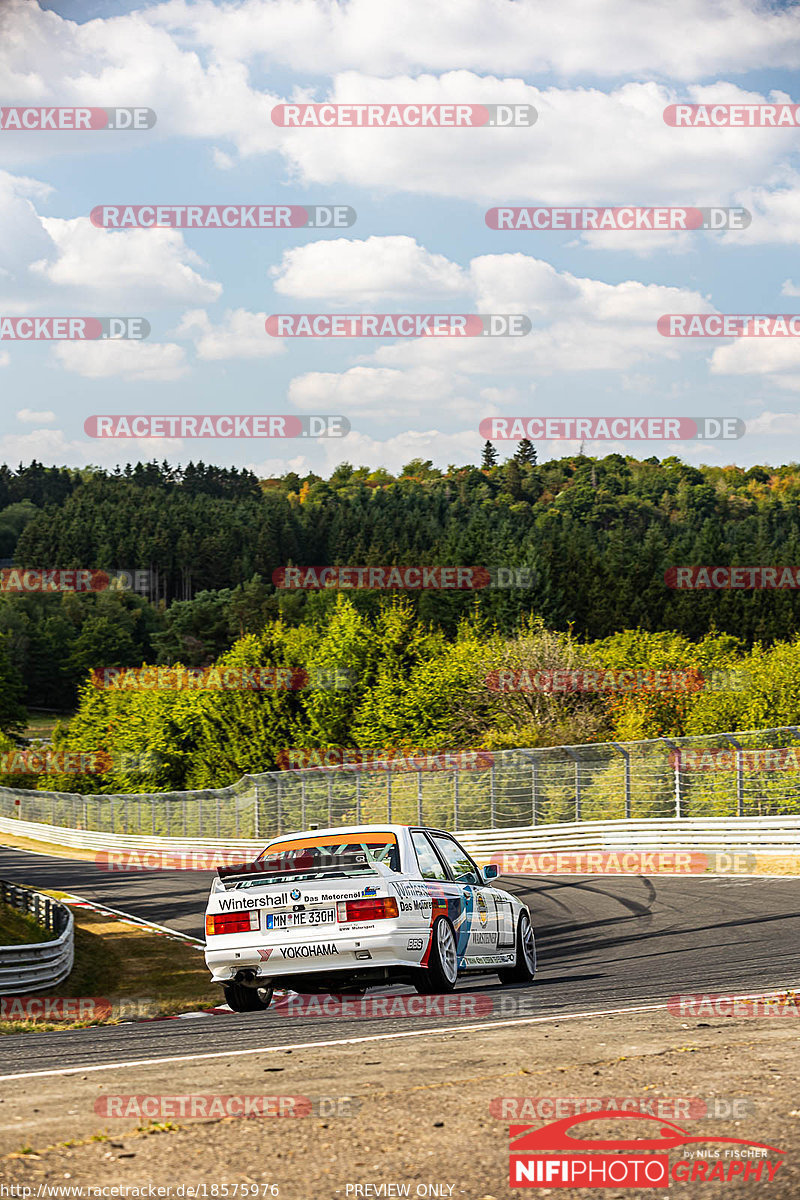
<point>376,1037</point>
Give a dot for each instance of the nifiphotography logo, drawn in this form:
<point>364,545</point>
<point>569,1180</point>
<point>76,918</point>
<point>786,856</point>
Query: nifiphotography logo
<point>548,1156</point>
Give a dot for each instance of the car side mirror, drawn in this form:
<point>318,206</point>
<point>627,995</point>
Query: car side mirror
<point>490,872</point>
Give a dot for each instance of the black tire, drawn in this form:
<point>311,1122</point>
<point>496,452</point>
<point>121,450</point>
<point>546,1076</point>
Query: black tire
<point>524,968</point>
<point>247,999</point>
<point>441,973</point>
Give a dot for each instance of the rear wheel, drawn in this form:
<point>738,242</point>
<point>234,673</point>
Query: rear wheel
<point>441,973</point>
<point>246,999</point>
<point>524,968</point>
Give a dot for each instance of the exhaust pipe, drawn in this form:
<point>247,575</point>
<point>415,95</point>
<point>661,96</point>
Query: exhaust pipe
<point>246,975</point>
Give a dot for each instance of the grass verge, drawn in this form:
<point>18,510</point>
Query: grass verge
<point>140,974</point>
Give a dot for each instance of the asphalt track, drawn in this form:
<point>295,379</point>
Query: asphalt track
<point>604,943</point>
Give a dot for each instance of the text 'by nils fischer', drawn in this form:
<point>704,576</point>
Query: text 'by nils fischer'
<point>622,429</point>
<point>224,425</point>
<point>409,116</point>
<point>75,119</point>
<point>625,218</point>
<point>223,216</point>
<point>414,325</point>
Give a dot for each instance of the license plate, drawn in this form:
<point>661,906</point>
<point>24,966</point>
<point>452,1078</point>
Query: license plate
<point>314,916</point>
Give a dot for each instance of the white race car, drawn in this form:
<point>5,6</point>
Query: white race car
<point>340,910</point>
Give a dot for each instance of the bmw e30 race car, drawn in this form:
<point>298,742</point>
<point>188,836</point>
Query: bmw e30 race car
<point>341,910</point>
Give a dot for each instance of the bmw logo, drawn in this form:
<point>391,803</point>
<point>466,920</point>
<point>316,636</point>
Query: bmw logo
<point>295,894</point>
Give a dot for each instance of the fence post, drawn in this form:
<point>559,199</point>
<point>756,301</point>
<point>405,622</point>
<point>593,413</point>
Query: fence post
<point>419,797</point>
<point>456,781</point>
<point>534,776</point>
<point>358,799</point>
<point>389,795</point>
<point>739,775</point>
<point>330,801</point>
<point>302,801</point>
<point>627,757</point>
<point>217,801</point>
<point>574,756</point>
<point>492,797</point>
<point>256,830</point>
<point>677,761</point>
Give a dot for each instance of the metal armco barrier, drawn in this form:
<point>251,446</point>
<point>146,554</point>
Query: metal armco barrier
<point>774,837</point>
<point>36,966</point>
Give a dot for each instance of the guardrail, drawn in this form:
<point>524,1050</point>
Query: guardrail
<point>775,837</point>
<point>37,965</point>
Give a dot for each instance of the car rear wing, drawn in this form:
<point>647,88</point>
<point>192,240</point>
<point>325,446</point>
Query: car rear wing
<point>280,869</point>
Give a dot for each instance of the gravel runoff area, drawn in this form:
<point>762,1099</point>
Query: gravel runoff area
<point>413,1113</point>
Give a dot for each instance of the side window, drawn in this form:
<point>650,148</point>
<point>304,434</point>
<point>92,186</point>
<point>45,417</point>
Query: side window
<point>429,865</point>
<point>462,866</point>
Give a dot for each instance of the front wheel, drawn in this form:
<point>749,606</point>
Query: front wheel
<point>524,968</point>
<point>246,999</point>
<point>441,973</point>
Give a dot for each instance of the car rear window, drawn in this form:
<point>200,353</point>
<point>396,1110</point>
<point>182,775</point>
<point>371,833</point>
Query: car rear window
<point>351,853</point>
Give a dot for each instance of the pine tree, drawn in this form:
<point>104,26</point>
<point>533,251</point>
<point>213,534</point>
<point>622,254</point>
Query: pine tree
<point>489,456</point>
<point>526,454</point>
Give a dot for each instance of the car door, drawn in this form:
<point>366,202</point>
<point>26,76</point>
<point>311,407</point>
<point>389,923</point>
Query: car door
<point>478,934</point>
<point>446,895</point>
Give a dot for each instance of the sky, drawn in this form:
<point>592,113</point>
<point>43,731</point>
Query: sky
<point>599,74</point>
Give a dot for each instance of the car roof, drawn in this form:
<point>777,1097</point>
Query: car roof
<point>383,827</point>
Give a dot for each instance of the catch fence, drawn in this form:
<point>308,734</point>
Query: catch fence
<point>739,774</point>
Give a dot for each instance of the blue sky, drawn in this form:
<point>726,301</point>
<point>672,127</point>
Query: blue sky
<point>599,72</point>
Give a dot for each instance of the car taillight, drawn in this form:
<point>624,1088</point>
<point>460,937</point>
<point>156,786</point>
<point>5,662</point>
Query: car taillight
<point>366,910</point>
<point>237,922</point>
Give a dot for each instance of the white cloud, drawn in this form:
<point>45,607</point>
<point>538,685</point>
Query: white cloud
<point>789,288</point>
<point>5,358</point>
<point>777,359</point>
<point>240,334</point>
<point>29,417</point>
<point>136,266</point>
<point>382,393</point>
<point>606,38</point>
<point>780,424</point>
<point>364,272</point>
<point>131,360</point>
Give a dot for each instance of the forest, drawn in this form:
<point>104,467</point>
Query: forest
<point>598,537</point>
